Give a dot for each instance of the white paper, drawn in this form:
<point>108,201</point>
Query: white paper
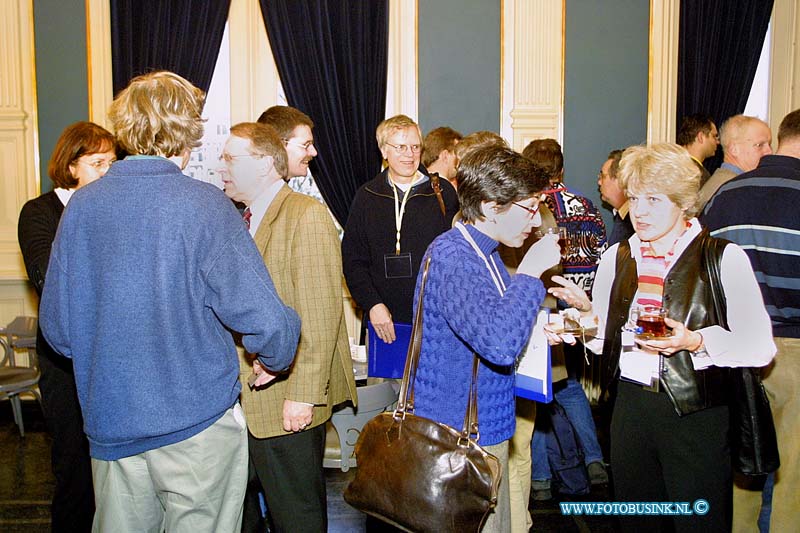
<point>639,366</point>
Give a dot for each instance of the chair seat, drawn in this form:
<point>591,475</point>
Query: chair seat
<point>15,379</point>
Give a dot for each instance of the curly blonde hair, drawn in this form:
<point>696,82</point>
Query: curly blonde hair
<point>663,168</point>
<point>159,113</point>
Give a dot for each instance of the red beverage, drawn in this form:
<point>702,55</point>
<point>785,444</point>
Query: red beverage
<point>652,325</point>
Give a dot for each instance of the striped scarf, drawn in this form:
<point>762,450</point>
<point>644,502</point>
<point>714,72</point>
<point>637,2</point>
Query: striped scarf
<point>652,271</point>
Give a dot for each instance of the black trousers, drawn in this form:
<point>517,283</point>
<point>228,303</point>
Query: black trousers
<point>289,470</point>
<point>73,499</point>
<point>658,456</point>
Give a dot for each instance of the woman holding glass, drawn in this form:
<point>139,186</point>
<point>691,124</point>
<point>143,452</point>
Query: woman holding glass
<point>472,306</point>
<point>83,153</point>
<point>669,429</point>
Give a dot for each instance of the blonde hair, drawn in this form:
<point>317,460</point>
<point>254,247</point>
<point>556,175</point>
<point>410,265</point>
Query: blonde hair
<point>159,113</point>
<point>390,125</point>
<point>663,168</point>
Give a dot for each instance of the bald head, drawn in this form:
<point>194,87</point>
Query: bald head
<point>745,140</point>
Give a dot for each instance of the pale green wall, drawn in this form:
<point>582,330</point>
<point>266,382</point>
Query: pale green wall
<point>605,100</point>
<point>459,64</point>
<point>61,73</point>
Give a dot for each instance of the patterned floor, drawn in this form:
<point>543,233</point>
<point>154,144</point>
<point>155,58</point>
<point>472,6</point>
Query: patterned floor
<point>26,485</point>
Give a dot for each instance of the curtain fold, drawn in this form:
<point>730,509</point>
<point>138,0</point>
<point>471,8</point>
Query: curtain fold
<point>719,46</point>
<point>183,36</point>
<point>332,60</point>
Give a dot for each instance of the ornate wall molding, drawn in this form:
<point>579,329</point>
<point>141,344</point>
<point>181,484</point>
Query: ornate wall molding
<point>254,76</point>
<point>663,87</point>
<point>402,72</point>
<point>784,94</point>
<point>19,178</point>
<point>532,71</point>
<point>98,51</point>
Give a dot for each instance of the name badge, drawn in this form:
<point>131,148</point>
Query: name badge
<point>397,265</point>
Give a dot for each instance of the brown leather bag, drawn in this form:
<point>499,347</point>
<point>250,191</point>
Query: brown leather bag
<point>422,475</point>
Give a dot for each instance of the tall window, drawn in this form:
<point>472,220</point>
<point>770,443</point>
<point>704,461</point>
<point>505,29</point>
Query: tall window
<point>204,162</point>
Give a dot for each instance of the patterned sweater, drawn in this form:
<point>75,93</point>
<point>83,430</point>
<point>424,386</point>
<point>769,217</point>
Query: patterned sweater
<point>587,235</point>
<point>463,311</point>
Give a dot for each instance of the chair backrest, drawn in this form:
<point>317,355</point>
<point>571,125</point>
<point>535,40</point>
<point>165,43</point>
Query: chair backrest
<point>20,333</point>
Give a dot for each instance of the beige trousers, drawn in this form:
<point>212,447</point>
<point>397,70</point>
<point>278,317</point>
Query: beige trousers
<point>519,466</point>
<point>191,486</point>
<point>499,520</point>
<point>782,382</point>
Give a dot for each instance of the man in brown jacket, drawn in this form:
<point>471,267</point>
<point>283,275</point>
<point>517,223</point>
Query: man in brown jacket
<point>299,243</point>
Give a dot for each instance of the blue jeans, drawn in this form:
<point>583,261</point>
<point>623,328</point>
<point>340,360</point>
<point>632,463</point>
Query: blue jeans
<point>572,398</point>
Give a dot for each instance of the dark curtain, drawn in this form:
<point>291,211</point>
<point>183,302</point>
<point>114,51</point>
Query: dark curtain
<point>183,36</point>
<point>719,46</point>
<point>331,56</point>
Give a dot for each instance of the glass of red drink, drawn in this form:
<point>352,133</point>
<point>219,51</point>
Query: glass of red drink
<point>649,321</point>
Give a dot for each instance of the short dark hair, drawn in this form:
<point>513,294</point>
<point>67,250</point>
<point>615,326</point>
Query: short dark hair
<point>547,154</point>
<point>264,140</point>
<point>285,119</point>
<point>77,140</point>
<point>614,156</point>
<point>496,174</point>
<point>691,125</point>
<point>790,127</point>
<point>438,139</point>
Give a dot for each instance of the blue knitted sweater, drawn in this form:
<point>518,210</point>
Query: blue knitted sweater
<point>463,311</point>
<point>148,271</point>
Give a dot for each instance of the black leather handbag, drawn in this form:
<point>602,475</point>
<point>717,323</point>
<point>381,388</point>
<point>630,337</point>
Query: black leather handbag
<point>754,443</point>
<point>418,474</point>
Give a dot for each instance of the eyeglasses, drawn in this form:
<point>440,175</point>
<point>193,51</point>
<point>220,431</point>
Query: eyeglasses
<point>98,164</point>
<point>305,146</point>
<point>531,210</point>
<point>228,158</point>
<point>403,148</point>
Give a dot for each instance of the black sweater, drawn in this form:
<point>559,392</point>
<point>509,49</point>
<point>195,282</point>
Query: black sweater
<point>370,234</point>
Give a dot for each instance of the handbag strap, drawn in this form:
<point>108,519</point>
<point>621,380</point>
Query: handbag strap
<point>405,403</point>
<point>437,190</point>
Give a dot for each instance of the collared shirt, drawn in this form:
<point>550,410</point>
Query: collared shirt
<point>260,205</point>
<point>748,342</point>
<point>64,194</point>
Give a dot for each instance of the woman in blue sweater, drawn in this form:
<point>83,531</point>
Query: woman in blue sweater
<point>473,306</point>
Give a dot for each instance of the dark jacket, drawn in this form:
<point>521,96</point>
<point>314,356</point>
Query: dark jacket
<point>370,234</point>
<point>688,299</point>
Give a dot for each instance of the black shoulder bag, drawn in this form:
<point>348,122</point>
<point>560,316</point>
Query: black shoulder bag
<point>754,444</point>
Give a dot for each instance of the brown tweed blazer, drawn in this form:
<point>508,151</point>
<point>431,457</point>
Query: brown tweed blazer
<point>302,252</point>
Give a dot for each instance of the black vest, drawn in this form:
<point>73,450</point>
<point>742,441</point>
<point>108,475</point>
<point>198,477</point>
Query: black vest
<point>688,299</point>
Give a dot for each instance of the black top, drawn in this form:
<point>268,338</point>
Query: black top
<point>369,235</point>
<point>38,223</point>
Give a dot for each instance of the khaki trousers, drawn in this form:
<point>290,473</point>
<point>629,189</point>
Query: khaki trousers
<point>519,466</point>
<point>782,382</point>
<point>499,520</point>
<point>191,486</point>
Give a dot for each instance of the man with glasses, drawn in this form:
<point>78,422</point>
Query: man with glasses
<point>745,140</point>
<point>393,219</point>
<point>300,246</point>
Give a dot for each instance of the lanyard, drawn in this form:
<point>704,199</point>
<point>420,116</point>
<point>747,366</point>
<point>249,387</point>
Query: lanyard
<point>493,270</point>
<point>400,209</point>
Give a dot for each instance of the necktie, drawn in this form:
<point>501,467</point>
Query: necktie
<point>246,217</point>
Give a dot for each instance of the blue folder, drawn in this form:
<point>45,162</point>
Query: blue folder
<point>387,360</point>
